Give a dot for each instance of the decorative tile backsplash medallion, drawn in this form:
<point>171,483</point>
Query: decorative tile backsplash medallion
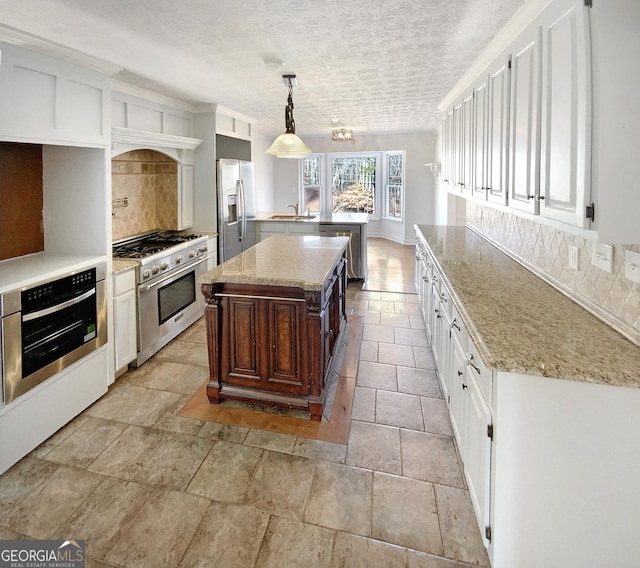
<point>149,180</point>
<point>545,250</point>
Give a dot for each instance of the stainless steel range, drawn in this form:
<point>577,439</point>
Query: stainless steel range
<point>168,297</point>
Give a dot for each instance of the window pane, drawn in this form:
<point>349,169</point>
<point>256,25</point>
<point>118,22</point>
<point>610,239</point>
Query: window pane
<point>311,183</point>
<point>394,185</point>
<point>353,182</point>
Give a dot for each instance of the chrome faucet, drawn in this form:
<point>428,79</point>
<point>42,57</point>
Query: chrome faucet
<point>295,207</point>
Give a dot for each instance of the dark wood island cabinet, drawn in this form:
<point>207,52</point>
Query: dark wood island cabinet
<point>274,314</point>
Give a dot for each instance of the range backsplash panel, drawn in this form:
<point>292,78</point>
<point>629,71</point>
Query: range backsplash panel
<point>148,179</point>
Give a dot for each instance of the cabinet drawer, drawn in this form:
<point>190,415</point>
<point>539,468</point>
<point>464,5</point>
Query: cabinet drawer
<point>273,228</point>
<point>458,330</point>
<point>445,300</point>
<point>478,369</point>
<point>124,281</point>
<point>303,228</point>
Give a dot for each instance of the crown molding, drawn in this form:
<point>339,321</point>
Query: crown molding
<point>158,140</point>
<point>150,96</point>
<point>18,38</point>
<point>520,20</point>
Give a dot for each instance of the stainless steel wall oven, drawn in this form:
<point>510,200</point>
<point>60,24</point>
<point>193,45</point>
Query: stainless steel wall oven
<point>50,325</point>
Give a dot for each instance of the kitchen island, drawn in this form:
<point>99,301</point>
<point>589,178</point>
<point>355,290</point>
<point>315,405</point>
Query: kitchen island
<point>273,315</point>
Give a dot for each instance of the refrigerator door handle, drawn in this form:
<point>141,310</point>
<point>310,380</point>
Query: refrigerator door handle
<point>240,191</point>
<point>243,219</point>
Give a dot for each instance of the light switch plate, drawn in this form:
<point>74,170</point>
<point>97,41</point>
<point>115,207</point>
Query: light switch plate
<point>574,257</point>
<point>603,257</point>
<point>632,266</point>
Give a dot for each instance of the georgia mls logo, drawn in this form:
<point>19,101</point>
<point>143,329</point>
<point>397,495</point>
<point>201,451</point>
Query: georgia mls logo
<point>42,554</point>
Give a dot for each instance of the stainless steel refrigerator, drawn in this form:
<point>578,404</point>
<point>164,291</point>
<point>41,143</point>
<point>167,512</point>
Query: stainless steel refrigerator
<point>236,208</point>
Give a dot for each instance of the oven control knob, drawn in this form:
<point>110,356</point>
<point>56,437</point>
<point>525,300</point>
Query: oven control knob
<point>155,270</point>
<point>192,253</point>
<point>146,274</point>
<point>202,249</point>
<point>179,259</point>
<point>164,266</point>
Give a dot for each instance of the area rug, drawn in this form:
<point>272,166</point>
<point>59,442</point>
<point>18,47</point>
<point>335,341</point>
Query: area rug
<point>336,423</point>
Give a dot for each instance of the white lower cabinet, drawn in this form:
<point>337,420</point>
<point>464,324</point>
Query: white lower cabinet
<point>294,228</point>
<point>124,319</point>
<point>467,386</point>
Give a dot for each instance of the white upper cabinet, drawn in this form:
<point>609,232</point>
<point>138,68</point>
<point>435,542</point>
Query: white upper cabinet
<point>46,100</point>
<point>524,112</point>
<point>447,152</point>
<point>480,98</point>
<point>497,131</point>
<point>566,111</point>
<point>185,197</point>
<point>556,138</point>
<point>466,173</point>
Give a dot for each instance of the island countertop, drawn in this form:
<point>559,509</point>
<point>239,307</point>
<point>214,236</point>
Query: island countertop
<point>302,262</point>
<point>521,324</point>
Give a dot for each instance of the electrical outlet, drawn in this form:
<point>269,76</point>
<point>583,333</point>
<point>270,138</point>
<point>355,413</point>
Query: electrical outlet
<point>574,257</point>
<point>603,257</point>
<point>632,266</point>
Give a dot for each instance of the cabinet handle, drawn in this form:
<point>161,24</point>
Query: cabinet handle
<point>464,386</point>
<point>425,278</point>
<point>443,297</point>
<point>531,196</point>
<point>540,197</point>
<point>460,373</point>
<point>454,324</point>
<point>477,369</point>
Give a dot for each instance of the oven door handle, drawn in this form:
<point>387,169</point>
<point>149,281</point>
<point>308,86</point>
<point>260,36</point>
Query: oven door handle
<point>143,289</point>
<point>57,308</point>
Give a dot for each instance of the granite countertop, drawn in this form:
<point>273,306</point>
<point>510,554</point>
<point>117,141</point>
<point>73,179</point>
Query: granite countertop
<point>332,218</point>
<point>521,324</point>
<point>301,262</point>
<point>122,265</point>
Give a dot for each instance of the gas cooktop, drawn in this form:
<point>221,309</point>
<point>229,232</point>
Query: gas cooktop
<point>149,244</point>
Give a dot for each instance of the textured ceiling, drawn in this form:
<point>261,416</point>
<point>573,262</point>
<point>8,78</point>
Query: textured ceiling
<point>376,65</point>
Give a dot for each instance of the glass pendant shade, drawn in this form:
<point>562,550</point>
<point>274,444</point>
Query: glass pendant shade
<point>289,145</point>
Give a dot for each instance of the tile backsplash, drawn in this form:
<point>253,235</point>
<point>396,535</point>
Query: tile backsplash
<point>611,296</point>
<point>148,179</point>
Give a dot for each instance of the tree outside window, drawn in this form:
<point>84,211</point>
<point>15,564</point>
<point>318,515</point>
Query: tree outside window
<point>353,183</point>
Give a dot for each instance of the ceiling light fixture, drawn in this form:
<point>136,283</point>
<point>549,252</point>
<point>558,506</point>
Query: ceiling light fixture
<point>342,135</point>
<point>288,145</point>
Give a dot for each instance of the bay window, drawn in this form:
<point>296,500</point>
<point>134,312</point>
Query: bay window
<point>370,182</point>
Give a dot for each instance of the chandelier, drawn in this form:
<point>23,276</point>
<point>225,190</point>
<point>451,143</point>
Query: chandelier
<point>288,145</point>
<point>342,135</point>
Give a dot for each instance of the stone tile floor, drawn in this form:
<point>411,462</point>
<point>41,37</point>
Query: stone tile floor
<point>147,488</point>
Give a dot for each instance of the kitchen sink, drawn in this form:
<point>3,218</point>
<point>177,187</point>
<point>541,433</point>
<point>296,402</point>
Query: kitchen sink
<point>291,217</point>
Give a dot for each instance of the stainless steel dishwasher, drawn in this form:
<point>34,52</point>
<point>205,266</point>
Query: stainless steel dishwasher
<point>357,250</point>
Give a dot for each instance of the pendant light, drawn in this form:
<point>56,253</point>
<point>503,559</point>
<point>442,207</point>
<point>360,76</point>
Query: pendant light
<point>288,145</point>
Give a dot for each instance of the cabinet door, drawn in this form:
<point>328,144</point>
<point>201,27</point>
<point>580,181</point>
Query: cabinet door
<point>447,151</point>
<point>467,143</point>
<point>286,336</point>
<point>477,450</point>
<point>497,131</point>
<point>457,395</point>
<point>185,197</point>
<point>240,363</point>
<point>566,112</point>
<point>524,121</point>
<point>480,139</point>
<point>456,147</point>
<point>125,330</point>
